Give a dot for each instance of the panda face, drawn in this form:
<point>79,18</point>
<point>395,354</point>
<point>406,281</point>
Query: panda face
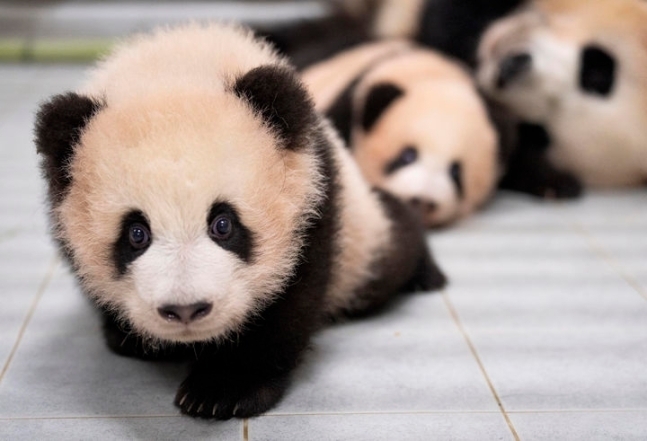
<point>576,68</point>
<point>537,60</point>
<point>432,147</point>
<point>172,218</point>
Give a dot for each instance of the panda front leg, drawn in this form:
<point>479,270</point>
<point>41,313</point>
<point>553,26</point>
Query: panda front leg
<point>222,387</point>
<point>248,374</point>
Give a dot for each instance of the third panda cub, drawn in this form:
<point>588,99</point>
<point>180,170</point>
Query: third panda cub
<point>212,215</point>
<point>415,124</point>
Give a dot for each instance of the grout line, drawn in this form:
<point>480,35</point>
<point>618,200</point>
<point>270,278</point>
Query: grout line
<point>472,348</point>
<point>39,294</point>
<point>246,429</point>
<point>603,254</point>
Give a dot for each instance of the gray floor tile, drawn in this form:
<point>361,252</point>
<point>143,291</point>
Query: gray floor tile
<point>577,305</point>
<point>25,260</point>
<point>411,358</point>
<point>119,429</point>
<point>566,370</point>
<point>581,426</point>
<point>75,374</point>
<point>389,427</point>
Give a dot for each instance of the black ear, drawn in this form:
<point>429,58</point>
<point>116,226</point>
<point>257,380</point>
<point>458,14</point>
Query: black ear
<point>597,71</point>
<point>278,96</point>
<point>340,112</point>
<point>378,99</point>
<point>59,123</point>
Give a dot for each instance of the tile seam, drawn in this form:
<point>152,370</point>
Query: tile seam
<point>601,252</point>
<point>32,308</point>
<point>472,348</point>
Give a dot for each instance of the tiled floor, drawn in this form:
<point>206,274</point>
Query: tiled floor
<point>542,334</point>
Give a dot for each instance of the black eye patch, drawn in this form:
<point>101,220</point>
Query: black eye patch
<point>456,173</point>
<point>379,98</point>
<point>407,156</point>
<point>227,231</point>
<point>124,251</point>
<point>597,71</point>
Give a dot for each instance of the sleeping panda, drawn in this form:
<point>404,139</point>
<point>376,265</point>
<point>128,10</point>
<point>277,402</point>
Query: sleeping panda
<point>575,69</point>
<point>212,215</point>
<point>551,69</point>
<point>566,78</point>
<point>415,124</point>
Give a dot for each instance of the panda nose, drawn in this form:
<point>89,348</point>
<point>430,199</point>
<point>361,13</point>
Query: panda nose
<point>185,313</point>
<point>512,67</point>
<point>425,206</point>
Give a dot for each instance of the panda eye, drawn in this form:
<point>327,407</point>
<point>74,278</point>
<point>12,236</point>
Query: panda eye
<point>221,228</point>
<point>407,156</point>
<point>456,174</point>
<point>139,236</point>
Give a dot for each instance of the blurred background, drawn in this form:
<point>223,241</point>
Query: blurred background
<point>46,30</point>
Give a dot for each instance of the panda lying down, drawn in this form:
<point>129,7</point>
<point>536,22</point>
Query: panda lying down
<point>207,209</point>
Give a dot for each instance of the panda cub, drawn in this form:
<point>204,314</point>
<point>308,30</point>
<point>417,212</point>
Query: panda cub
<point>574,70</point>
<point>213,216</point>
<point>565,78</point>
<point>414,123</point>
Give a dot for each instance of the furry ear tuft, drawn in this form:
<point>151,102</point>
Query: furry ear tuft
<point>378,99</point>
<point>59,124</point>
<point>280,99</point>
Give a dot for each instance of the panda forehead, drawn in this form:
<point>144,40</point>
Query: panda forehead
<point>172,158</point>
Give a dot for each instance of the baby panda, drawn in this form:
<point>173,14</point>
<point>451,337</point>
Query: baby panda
<point>414,123</point>
<point>213,216</point>
<point>575,71</point>
<point>564,80</point>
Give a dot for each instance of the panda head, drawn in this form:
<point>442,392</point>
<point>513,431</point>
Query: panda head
<point>421,132</point>
<point>560,57</point>
<point>183,211</point>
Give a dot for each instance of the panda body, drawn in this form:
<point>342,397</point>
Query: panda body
<point>414,123</point>
<point>207,209</point>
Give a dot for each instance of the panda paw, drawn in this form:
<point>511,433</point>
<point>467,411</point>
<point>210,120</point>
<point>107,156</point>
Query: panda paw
<point>561,186</point>
<point>224,398</point>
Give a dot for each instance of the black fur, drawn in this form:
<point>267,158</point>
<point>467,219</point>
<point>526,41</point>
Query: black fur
<point>308,41</point>
<point>597,71</point>
<point>278,96</point>
<point>407,266</point>
<point>59,124</point>
<point>241,240</point>
<point>340,112</point>
<point>529,170</point>
<point>123,253</point>
<point>513,67</point>
<point>456,173</point>
<point>378,99</point>
<point>455,27</point>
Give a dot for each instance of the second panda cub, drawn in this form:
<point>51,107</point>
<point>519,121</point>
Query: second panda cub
<point>213,216</point>
<point>415,124</point>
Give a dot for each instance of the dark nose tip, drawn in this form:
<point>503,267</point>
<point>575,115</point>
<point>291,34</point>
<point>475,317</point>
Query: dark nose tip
<point>424,206</point>
<point>185,313</point>
<point>512,67</point>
